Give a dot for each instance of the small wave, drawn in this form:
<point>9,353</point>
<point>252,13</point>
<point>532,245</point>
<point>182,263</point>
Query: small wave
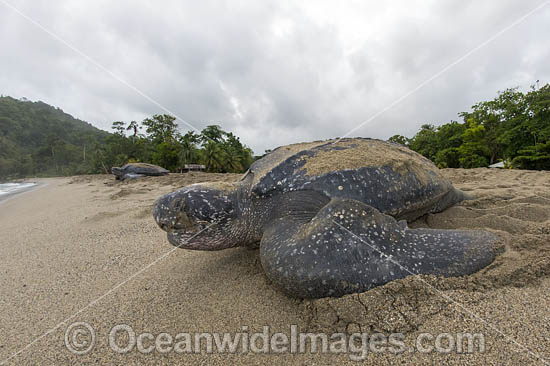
<point>6,188</point>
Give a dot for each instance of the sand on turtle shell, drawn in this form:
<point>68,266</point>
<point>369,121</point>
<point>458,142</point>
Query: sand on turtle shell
<point>279,155</point>
<point>145,165</point>
<point>347,154</point>
<point>219,186</point>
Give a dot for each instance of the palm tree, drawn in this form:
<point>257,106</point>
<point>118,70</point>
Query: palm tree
<point>188,148</point>
<point>212,156</point>
<point>232,161</point>
<point>188,152</point>
<point>134,126</point>
<point>212,133</point>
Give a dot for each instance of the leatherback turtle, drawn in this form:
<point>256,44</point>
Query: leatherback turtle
<point>330,217</point>
<point>137,170</point>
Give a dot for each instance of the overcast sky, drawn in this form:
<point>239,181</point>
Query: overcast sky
<point>272,72</point>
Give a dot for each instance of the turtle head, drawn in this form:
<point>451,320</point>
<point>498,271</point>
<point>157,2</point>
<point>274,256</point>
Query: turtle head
<point>116,171</point>
<point>200,216</point>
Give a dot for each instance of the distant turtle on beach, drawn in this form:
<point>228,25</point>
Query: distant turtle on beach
<point>330,217</point>
<point>137,170</point>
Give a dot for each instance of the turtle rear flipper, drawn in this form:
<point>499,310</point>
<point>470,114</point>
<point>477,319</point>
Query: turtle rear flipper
<point>351,247</point>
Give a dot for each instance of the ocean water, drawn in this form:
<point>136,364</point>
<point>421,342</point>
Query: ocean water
<point>6,188</point>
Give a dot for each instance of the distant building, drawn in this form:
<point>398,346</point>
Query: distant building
<point>500,164</point>
<point>193,167</point>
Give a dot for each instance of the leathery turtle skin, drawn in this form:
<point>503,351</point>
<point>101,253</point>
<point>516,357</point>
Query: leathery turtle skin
<point>137,170</point>
<point>330,217</point>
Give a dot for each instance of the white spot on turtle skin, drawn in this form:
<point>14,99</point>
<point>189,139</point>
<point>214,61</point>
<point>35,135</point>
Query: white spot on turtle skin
<point>420,254</point>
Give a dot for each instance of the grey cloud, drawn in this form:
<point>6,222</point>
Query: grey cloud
<point>273,73</point>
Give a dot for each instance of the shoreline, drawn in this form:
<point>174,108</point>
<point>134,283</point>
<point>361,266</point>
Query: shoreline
<point>11,195</point>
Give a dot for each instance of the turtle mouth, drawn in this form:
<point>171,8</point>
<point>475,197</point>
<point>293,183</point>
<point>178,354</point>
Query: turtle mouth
<point>186,237</point>
<point>179,238</point>
<point>189,227</point>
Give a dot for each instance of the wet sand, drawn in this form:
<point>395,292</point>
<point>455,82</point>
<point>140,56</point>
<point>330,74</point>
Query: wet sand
<point>88,248</point>
<point>9,195</point>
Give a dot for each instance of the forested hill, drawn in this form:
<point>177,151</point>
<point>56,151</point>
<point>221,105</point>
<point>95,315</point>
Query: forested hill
<point>36,138</point>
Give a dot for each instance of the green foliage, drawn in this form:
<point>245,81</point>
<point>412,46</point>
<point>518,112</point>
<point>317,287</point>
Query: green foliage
<point>533,157</point>
<point>448,158</point>
<point>161,128</point>
<point>212,156</point>
<point>398,139</point>
<point>474,151</point>
<point>166,154</point>
<point>189,153</point>
<point>223,151</point>
<point>135,127</point>
<point>425,141</point>
<point>212,133</point>
<point>37,139</point>
<point>513,127</point>
<point>118,126</point>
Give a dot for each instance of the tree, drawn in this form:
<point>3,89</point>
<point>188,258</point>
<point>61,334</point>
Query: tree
<point>135,127</point>
<point>118,126</point>
<point>425,141</point>
<point>161,128</point>
<point>450,134</point>
<point>231,160</point>
<point>212,156</point>
<point>188,148</point>
<point>223,151</point>
<point>162,133</point>
<point>166,154</point>
<point>212,133</point>
<point>448,158</point>
<point>398,139</point>
<point>513,127</point>
<point>474,150</point>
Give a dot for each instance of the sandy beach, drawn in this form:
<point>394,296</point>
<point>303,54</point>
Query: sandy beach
<point>86,249</point>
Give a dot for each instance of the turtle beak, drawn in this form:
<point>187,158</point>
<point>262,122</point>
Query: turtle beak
<point>179,239</point>
<point>170,215</point>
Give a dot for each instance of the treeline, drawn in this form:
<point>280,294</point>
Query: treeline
<point>37,139</point>
<point>513,128</point>
<point>158,141</point>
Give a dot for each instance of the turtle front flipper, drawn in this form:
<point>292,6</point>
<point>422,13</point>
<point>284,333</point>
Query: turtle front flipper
<point>351,247</point>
